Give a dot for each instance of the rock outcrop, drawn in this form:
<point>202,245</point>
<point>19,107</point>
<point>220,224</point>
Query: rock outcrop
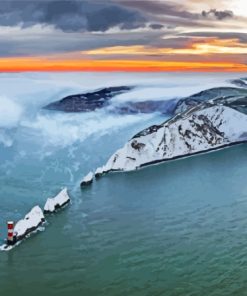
<point>57,202</point>
<point>90,101</point>
<point>87,180</point>
<point>24,227</point>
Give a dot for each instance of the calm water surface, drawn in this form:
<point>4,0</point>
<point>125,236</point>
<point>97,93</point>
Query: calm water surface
<point>175,229</point>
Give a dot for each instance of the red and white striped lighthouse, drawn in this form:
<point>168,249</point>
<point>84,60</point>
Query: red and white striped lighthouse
<point>10,237</point>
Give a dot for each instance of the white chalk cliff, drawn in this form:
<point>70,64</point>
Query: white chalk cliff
<point>208,126</point>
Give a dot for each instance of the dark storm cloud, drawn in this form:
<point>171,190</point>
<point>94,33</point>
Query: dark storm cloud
<point>166,13</point>
<point>156,26</point>
<point>171,13</point>
<point>45,43</point>
<point>159,8</point>
<point>70,16</point>
<point>218,14</point>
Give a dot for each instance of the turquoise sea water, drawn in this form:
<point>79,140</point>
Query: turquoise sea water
<point>178,228</point>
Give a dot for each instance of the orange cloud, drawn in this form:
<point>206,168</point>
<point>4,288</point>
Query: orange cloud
<point>211,46</point>
<point>46,64</point>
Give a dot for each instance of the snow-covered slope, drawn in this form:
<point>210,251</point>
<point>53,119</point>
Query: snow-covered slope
<point>208,94</point>
<point>208,126</point>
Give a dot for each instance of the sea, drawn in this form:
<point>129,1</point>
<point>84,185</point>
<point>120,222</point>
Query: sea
<point>174,229</point>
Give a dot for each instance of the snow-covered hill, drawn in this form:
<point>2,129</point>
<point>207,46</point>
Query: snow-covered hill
<point>208,94</point>
<point>208,126</point>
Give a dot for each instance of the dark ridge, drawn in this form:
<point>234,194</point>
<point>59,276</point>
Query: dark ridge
<point>237,103</point>
<point>240,82</point>
<point>89,101</point>
<point>209,94</point>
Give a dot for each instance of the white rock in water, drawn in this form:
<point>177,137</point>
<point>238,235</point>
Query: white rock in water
<point>88,179</point>
<point>57,202</point>
<point>99,172</point>
<point>31,222</point>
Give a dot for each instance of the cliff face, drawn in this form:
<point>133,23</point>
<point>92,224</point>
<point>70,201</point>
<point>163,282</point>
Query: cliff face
<point>208,126</point>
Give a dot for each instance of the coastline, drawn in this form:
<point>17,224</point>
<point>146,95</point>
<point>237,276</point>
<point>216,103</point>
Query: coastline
<point>158,162</point>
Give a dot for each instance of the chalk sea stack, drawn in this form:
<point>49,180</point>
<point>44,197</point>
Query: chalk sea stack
<point>59,201</point>
<point>87,180</point>
<point>99,172</point>
<point>26,226</point>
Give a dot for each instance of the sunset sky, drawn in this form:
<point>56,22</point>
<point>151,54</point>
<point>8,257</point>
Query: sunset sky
<point>123,35</point>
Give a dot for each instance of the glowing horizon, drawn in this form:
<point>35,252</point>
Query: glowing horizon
<point>33,64</point>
